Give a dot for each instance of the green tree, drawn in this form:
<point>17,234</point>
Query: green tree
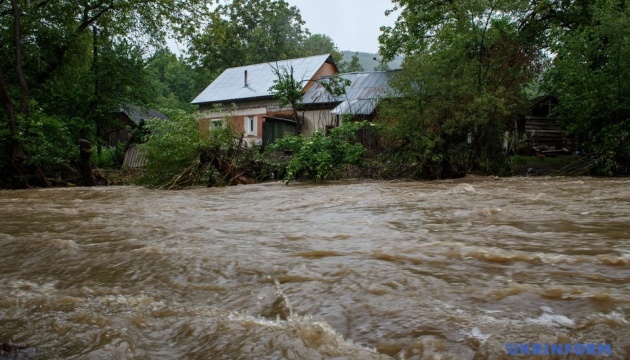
<point>174,80</point>
<point>590,77</point>
<point>248,32</point>
<point>51,48</point>
<point>354,65</point>
<point>382,67</point>
<point>461,84</point>
<point>319,44</point>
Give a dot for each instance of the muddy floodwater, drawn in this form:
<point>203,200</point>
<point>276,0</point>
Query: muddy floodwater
<point>375,270</point>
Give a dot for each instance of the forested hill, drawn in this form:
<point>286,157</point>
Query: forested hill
<point>367,60</point>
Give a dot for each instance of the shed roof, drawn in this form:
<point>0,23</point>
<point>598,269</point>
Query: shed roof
<point>139,114</point>
<point>361,97</point>
<point>230,85</point>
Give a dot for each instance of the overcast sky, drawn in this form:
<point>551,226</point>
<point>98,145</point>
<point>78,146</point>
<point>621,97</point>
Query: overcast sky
<point>352,24</point>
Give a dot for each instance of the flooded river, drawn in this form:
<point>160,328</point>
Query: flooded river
<point>376,270</point>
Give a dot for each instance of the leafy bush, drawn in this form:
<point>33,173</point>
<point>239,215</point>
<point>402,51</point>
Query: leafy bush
<point>110,157</point>
<point>176,148</point>
<point>49,141</point>
<point>322,157</point>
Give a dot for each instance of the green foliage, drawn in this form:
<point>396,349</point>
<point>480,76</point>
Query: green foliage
<point>335,85</point>
<point>354,65</point>
<point>5,151</point>
<point>80,60</point>
<point>591,79</point>
<point>286,88</point>
<point>461,84</point>
<point>320,44</point>
<point>174,145</point>
<point>49,141</point>
<point>173,80</point>
<point>422,24</point>
<point>170,147</point>
<point>110,156</point>
<point>321,157</point>
<point>244,32</point>
<point>382,67</point>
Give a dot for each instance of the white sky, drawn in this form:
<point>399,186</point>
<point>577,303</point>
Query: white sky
<point>352,24</point>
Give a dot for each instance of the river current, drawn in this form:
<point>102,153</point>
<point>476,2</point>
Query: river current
<point>370,270</point>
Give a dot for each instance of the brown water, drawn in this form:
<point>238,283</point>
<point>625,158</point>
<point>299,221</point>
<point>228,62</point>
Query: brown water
<point>437,270</point>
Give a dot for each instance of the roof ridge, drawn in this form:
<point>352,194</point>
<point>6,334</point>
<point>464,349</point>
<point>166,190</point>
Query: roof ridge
<point>278,61</point>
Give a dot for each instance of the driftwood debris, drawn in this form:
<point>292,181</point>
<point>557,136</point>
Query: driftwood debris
<point>227,164</point>
<point>231,174</point>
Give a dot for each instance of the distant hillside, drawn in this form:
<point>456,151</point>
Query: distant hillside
<point>368,62</point>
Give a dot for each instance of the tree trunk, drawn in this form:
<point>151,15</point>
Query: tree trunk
<point>19,57</point>
<point>18,156</point>
<point>97,88</point>
<point>85,167</point>
<point>17,148</point>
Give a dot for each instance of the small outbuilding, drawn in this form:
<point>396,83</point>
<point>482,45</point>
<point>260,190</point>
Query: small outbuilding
<point>275,128</point>
<point>540,128</point>
<point>126,118</point>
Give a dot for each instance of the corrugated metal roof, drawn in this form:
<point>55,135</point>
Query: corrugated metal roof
<point>230,85</point>
<point>356,107</point>
<point>361,97</point>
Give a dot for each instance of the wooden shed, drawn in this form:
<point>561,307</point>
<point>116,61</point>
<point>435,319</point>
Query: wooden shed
<point>128,117</point>
<point>275,128</point>
<point>541,128</point>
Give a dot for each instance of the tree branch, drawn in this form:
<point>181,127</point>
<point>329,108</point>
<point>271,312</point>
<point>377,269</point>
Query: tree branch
<point>87,20</point>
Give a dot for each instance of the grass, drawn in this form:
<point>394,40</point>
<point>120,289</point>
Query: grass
<point>528,165</point>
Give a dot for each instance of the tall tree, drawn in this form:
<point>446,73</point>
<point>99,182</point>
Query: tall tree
<point>461,82</point>
<point>319,44</point>
<point>590,77</point>
<point>43,40</point>
<point>173,79</point>
<point>354,65</point>
<point>244,32</point>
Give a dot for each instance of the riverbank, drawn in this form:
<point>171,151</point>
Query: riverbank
<point>522,166</point>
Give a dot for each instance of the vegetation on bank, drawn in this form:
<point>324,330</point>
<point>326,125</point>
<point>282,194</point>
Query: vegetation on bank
<point>470,70</point>
<point>180,155</point>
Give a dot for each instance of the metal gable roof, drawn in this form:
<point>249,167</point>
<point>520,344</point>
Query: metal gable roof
<point>230,85</point>
<point>361,96</point>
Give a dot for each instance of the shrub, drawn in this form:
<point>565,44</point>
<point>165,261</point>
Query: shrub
<point>110,157</point>
<point>177,152</point>
<point>321,157</point>
<point>49,142</point>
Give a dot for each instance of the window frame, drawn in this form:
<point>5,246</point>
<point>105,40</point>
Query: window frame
<point>253,129</point>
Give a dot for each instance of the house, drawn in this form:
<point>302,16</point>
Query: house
<point>242,94</point>
<point>126,118</point>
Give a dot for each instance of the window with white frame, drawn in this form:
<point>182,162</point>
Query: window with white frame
<point>250,125</point>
